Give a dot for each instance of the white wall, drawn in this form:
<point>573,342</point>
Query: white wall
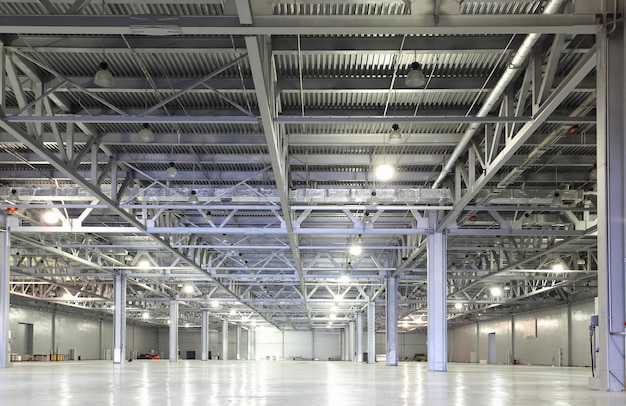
<point>87,337</point>
<point>322,345</point>
<point>535,338</point>
<point>189,339</point>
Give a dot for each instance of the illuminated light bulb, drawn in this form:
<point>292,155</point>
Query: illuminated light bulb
<point>50,217</point>
<point>384,172</point>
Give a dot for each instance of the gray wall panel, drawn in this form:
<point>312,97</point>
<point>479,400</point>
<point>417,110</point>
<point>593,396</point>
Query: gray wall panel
<point>89,338</point>
<point>327,345</point>
<point>537,337</point>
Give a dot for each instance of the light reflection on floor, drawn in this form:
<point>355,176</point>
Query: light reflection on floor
<point>252,383</point>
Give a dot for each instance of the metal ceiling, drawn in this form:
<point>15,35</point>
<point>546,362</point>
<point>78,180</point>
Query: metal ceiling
<point>278,133</point>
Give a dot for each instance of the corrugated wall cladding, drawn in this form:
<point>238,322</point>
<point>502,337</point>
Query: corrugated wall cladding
<point>192,64</point>
<point>501,7</point>
<point>342,8</point>
<point>362,64</point>
<point>192,8</point>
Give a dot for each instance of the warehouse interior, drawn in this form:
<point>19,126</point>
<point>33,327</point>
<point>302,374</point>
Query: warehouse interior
<point>373,171</point>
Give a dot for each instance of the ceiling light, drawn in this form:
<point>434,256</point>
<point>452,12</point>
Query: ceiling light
<point>558,267</point>
<point>367,219</point>
<point>333,316</point>
<point>496,291</point>
<point>144,264</point>
<point>356,250</point>
<point>344,279</point>
<point>215,304</point>
<point>145,315</point>
<point>373,198</point>
<point>458,306</point>
<point>233,312</point>
<point>580,261</point>
<point>395,136</point>
<point>146,134</point>
<point>415,77</point>
<point>334,308</point>
<point>50,217</point>
<point>208,217</point>
<point>384,172</point>
<point>13,197</point>
<point>557,200</point>
<point>103,76</point>
<point>193,198</point>
<point>188,289</point>
<point>171,172</point>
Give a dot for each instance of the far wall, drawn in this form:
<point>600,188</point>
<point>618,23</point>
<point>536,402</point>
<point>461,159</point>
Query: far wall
<point>57,333</point>
<point>557,336</point>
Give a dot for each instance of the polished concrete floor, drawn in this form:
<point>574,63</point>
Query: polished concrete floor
<point>294,383</point>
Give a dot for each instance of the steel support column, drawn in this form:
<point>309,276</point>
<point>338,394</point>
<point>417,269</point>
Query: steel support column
<point>351,350</point>
<point>238,342</point>
<point>436,276</point>
<point>173,331</point>
<point>205,335</point>
<point>371,333</point>
<point>359,337</point>
<point>224,340</point>
<point>611,108</point>
<point>119,319</point>
<point>5,345</point>
<point>251,339</point>
<point>392,321</point>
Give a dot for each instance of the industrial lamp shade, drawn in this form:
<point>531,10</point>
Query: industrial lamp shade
<point>415,77</point>
<point>103,76</point>
<point>171,172</point>
<point>395,136</point>
<point>146,134</point>
<point>193,198</point>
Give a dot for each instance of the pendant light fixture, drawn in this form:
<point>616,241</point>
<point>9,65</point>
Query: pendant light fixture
<point>415,78</point>
<point>385,172</point>
<point>171,172</point>
<point>193,197</point>
<point>146,134</point>
<point>395,136</point>
<point>103,76</point>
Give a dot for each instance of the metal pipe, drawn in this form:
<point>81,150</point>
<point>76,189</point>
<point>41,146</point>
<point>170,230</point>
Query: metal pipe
<point>518,59</point>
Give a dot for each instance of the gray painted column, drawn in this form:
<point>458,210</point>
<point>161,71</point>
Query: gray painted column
<point>611,210</point>
<point>392,321</point>
<point>173,331</point>
<point>5,346</point>
<point>225,340</point>
<point>351,353</point>
<point>251,339</point>
<point>119,319</point>
<point>359,337</point>
<point>371,333</point>
<point>238,342</point>
<point>437,309</point>
<point>204,331</point>
<point>345,344</point>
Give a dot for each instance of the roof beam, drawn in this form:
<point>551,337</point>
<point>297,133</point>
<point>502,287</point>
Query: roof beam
<point>310,25</point>
<point>582,68</point>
